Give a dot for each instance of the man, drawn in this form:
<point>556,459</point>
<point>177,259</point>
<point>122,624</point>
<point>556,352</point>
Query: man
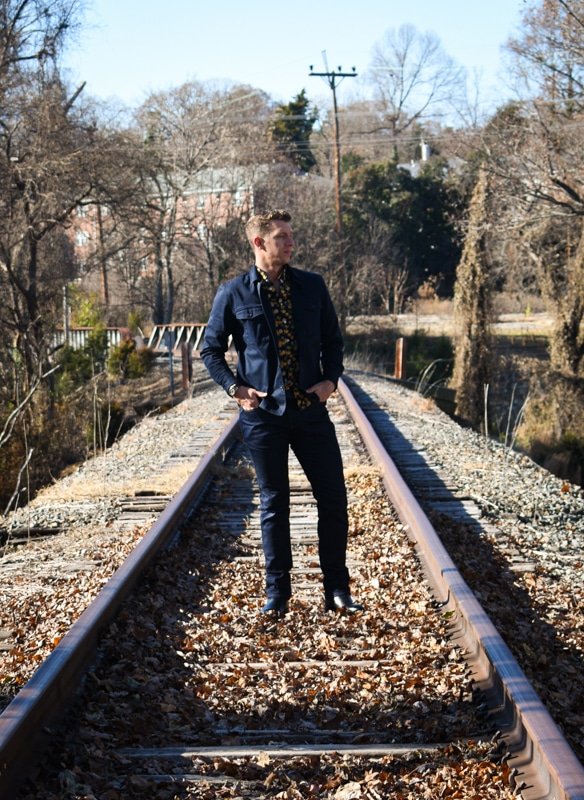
<point>290,357</point>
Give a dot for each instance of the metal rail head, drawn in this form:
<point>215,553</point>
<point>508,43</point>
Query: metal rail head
<point>538,749</point>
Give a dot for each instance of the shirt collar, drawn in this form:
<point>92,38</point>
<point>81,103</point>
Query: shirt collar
<point>283,277</point>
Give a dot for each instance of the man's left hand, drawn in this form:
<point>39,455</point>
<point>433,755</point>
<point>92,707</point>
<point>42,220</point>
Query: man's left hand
<point>322,389</point>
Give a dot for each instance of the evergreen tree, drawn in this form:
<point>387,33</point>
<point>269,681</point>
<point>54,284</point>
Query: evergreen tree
<point>291,130</point>
<point>418,213</point>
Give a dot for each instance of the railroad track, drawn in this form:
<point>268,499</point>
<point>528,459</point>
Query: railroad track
<point>192,689</point>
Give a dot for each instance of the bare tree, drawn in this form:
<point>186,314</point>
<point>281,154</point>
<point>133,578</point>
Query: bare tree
<point>47,176</point>
<point>45,160</point>
<point>180,139</point>
<point>537,149</point>
<point>31,33</point>
<point>413,78</point>
<point>549,53</point>
<point>47,155</point>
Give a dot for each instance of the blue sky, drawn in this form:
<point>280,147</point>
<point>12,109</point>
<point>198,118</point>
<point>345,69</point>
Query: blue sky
<point>130,47</point>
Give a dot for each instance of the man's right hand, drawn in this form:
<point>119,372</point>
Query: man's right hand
<point>248,398</point>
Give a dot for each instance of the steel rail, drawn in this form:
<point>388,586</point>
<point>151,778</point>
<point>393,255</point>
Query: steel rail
<point>48,693</point>
<point>544,764</point>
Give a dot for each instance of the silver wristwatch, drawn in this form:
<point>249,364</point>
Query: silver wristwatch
<point>232,389</point>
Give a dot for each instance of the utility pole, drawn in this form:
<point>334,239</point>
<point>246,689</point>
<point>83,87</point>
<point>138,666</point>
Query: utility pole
<point>102,258</point>
<point>333,78</point>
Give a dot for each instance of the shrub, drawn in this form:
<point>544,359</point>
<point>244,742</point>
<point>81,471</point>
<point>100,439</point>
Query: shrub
<point>76,370</point>
<point>86,308</point>
<point>553,424</point>
<point>135,321</point>
<point>81,365</point>
<point>97,347</point>
<point>127,362</point>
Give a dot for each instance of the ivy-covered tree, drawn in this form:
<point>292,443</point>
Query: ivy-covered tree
<point>473,312</point>
<point>291,129</point>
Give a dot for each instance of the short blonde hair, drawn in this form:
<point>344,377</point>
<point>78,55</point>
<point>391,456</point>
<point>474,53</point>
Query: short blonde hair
<point>261,224</point>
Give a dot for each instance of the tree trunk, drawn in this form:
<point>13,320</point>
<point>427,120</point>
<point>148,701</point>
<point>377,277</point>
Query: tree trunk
<point>567,343</point>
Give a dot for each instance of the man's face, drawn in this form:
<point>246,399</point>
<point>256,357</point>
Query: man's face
<point>278,243</point>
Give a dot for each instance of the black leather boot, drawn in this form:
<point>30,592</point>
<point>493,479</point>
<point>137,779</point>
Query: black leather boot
<point>339,601</point>
<point>276,606</point>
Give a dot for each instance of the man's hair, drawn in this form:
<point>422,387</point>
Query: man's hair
<point>261,224</point>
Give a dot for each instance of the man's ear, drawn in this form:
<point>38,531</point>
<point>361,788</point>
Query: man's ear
<point>258,241</point>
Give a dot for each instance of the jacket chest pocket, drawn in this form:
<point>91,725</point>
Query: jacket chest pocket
<point>249,312</point>
<point>253,323</point>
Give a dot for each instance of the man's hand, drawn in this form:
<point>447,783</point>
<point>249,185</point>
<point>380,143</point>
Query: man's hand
<point>322,389</point>
<point>248,398</point>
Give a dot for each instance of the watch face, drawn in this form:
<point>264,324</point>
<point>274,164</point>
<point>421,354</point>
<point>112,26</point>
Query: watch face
<point>232,389</point>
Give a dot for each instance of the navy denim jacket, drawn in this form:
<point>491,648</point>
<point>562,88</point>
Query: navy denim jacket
<point>242,310</point>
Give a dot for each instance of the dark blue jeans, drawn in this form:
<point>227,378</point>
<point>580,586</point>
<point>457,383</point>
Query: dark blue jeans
<point>312,437</point>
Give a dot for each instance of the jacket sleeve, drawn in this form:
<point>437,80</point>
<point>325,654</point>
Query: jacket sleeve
<point>216,340</point>
<point>331,340</point>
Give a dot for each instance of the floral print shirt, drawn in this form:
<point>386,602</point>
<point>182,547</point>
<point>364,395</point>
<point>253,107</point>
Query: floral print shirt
<point>281,301</point>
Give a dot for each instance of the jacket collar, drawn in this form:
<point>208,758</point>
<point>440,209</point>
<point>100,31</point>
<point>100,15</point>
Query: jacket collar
<point>254,274</point>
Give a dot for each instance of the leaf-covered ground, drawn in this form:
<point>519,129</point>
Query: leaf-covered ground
<point>190,662</point>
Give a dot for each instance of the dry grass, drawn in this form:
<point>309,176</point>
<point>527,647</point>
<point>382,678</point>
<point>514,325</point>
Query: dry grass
<point>436,318</point>
<point>80,487</point>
